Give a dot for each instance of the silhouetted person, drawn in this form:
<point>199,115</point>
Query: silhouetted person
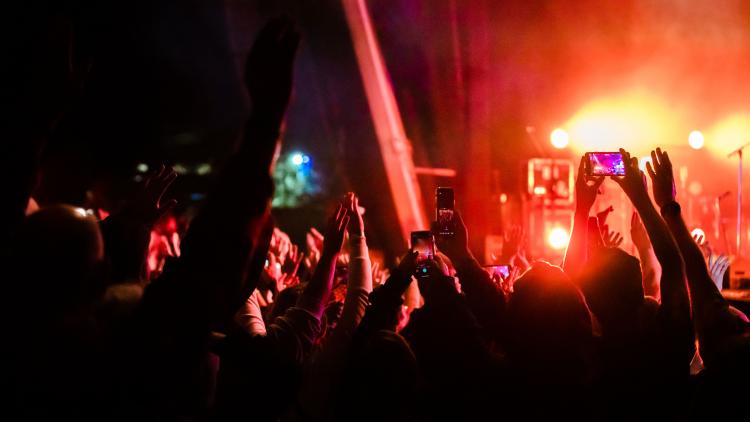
<point>549,345</point>
<point>58,277</point>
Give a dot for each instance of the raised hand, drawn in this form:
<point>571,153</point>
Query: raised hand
<point>293,260</point>
<point>335,232</point>
<point>286,280</point>
<point>638,233</point>
<point>457,246</point>
<point>717,266</point>
<point>408,264</point>
<point>703,244</point>
<point>269,68</point>
<point>513,240</point>
<point>280,244</point>
<point>146,205</point>
<point>601,216</point>
<point>611,238</point>
<point>586,189</point>
<point>379,275</point>
<point>356,223</point>
<point>634,181</point>
<point>315,239</point>
<point>699,239</point>
<point>316,293</point>
<point>438,285</point>
<point>662,179</point>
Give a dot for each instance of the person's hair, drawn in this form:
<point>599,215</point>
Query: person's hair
<point>286,299</point>
<point>59,259</point>
<point>383,366</point>
<point>612,283</point>
<point>549,324</point>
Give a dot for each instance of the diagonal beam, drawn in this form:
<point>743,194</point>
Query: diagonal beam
<point>389,129</point>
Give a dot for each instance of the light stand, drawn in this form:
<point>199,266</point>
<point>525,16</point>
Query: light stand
<point>738,151</point>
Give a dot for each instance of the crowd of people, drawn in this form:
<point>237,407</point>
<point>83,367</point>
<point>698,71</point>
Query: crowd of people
<point>120,319</point>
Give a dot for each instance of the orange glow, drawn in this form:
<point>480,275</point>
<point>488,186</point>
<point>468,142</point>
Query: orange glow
<point>558,238</point>
<point>634,120</point>
<point>729,134</point>
<point>696,139</point>
<point>642,162</point>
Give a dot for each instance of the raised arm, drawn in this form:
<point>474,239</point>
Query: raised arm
<point>359,284</point>
<point>714,321</point>
<point>328,364</point>
<point>250,316</point>
<point>674,296</point>
<point>586,191</point>
<point>208,284</point>
<point>486,302</point>
<point>650,269</point>
<point>386,301</point>
<point>315,296</point>
<point>127,233</point>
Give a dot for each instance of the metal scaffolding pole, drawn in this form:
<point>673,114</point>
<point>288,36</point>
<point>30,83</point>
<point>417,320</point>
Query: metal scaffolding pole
<point>389,129</point>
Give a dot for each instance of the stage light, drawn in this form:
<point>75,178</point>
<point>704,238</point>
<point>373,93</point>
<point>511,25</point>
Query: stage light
<point>634,119</point>
<point>297,159</point>
<point>729,134</point>
<point>503,198</point>
<point>540,190</point>
<point>695,188</point>
<point>180,168</point>
<point>142,167</point>
<point>558,238</point>
<point>696,140</point>
<point>80,211</point>
<point>642,163</point>
<point>203,169</point>
<point>698,232</point>
<point>559,138</point>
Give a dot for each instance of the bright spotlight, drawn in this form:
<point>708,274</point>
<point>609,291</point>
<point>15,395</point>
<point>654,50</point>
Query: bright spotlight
<point>558,238</point>
<point>642,163</point>
<point>696,140</point>
<point>298,159</point>
<point>633,118</point>
<point>559,138</point>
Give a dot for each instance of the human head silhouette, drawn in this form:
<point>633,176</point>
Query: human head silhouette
<point>59,258</point>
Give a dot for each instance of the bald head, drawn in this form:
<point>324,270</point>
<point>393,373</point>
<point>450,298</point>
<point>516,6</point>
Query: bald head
<point>60,252</point>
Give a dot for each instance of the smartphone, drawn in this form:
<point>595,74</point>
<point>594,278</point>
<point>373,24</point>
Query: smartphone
<point>498,273</point>
<point>605,164</point>
<point>445,206</point>
<point>424,243</point>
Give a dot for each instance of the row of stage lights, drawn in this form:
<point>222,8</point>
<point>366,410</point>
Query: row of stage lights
<point>560,139</point>
<point>558,237</point>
